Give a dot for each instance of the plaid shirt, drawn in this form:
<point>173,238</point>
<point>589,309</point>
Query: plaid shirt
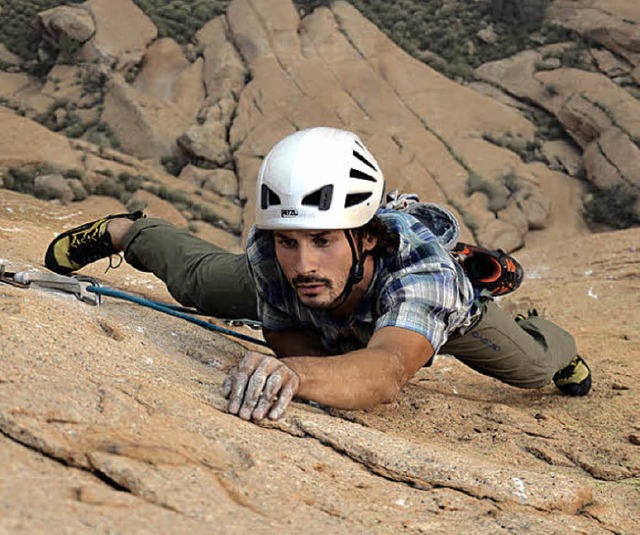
<point>420,288</point>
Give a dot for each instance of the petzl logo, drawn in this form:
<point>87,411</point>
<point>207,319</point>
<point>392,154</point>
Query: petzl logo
<point>290,212</point>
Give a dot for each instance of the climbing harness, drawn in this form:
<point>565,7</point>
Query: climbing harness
<point>90,291</point>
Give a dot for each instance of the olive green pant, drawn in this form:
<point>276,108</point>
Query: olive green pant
<point>199,274</point>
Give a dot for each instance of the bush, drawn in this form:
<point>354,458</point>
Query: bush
<point>613,207</point>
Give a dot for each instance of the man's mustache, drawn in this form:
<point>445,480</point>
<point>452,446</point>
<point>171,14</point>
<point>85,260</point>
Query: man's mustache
<point>310,279</point>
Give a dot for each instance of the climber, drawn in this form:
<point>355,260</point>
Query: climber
<point>353,299</point>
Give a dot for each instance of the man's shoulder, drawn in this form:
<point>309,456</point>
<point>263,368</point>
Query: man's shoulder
<point>424,220</point>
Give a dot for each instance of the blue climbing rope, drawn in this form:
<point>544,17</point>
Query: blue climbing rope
<point>172,310</point>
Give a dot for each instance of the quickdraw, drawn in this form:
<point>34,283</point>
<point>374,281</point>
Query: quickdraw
<point>75,285</point>
<point>90,291</point>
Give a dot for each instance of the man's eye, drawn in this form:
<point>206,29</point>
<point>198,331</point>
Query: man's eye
<point>321,242</point>
<point>288,244</point>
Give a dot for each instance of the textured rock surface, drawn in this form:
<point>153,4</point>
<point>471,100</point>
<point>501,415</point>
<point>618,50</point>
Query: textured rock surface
<point>111,417</point>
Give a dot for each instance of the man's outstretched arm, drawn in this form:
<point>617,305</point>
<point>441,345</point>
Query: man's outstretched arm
<point>262,385</point>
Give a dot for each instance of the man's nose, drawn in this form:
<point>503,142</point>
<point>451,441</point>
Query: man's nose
<point>307,259</point>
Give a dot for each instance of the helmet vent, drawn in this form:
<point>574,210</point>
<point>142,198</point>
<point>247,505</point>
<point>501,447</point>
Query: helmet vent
<point>320,198</point>
<point>355,173</point>
<point>356,198</point>
<point>364,160</point>
<point>268,197</point>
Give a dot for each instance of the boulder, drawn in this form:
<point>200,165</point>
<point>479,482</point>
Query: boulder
<point>167,75</point>
<point>122,34</point>
<point>207,142</point>
<point>144,126</point>
<point>220,181</point>
<point>223,182</point>
<point>562,156</point>
<point>52,186</point>
<point>609,64</point>
<point>71,23</point>
<point>162,63</point>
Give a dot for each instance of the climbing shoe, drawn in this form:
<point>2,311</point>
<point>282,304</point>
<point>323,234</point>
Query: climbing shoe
<point>82,245</point>
<point>487,269</point>
<point>575,379</point>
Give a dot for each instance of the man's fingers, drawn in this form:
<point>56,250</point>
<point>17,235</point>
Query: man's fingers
<point>268,396</point>
<point>254,389</point>
<point>286,395</point>
<point>239,384</point>
<point>228,382</point>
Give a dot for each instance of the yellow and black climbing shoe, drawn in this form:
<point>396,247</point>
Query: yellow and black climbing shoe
<point>575,379</point>
<point>82,245</point>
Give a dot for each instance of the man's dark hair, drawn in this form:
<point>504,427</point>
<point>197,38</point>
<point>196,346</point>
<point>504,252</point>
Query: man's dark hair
<point>387,240</point>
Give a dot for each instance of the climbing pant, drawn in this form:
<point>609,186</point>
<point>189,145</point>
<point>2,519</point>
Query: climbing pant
<point>198,274</point>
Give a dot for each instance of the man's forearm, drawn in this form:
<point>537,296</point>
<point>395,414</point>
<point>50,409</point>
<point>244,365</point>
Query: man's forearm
<point>343,382</point>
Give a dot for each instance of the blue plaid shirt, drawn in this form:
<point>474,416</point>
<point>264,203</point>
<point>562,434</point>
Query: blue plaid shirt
<point>420,288</point>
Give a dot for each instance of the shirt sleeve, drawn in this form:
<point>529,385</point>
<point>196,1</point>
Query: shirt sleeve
<point>421,302</point>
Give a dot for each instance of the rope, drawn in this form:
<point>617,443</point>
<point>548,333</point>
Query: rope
<point>172,310</point>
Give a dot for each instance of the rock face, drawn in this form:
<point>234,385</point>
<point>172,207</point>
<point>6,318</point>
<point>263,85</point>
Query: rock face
<point>113,417</point>
<point>613,23</point>
<point>592,109</point>
<point>260,72</point>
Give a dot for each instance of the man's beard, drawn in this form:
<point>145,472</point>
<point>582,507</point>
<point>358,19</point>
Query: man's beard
<point>310,279</point>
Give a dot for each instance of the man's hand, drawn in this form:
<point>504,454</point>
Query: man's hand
<point>259,385</point>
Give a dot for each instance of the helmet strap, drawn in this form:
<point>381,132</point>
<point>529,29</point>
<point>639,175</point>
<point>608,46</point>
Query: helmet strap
<point>356,272</point>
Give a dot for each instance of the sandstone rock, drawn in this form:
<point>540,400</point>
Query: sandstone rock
<point>67,22</point>
<point>52,186</point>
<point>63,84</point>
<point>220,181</point>
<point>167,75</point>
<point>144,126</point>
<point>563,156</point>
<point>23,141</point>
<point>78,189</point>
<point>189,91</point>
<point>224,71</point>
<point>612,160</point>
<point>535,206</point>
<point>8,57</point>
<point>488,35</point>
<point>207,142</point>
<point>123,32</point>
<point>222,213</point>
<point>612,23</point>
<point>608,63</point>
<point>162,63</point>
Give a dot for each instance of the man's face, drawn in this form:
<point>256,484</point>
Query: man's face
<point>315,262</point>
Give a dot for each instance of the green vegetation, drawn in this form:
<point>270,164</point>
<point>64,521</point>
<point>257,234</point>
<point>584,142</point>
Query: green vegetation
<point>181,19</point>
<point>444,33</point>
<point>613,207</point>
<point>528,150</point>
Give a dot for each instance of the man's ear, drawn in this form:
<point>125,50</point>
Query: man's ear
<point>369,242</point>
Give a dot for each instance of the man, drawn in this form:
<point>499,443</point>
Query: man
<point>353,299</point>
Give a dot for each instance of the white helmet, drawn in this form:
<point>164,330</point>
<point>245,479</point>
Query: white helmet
<point>319,178</point>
